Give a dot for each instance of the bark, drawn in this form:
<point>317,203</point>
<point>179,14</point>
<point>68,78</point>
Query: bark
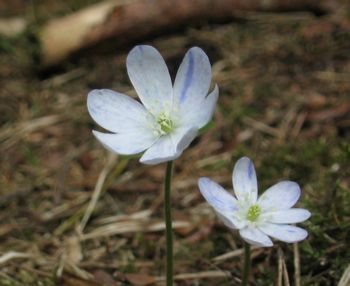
<point>138,18</point>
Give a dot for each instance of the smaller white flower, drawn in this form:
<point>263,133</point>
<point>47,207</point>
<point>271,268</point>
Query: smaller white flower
<point>170,115</point>
<point>257,218</point>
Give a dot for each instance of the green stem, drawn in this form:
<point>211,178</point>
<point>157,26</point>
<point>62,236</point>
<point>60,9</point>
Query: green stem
<point>247,264</point>
<point>168,224</point>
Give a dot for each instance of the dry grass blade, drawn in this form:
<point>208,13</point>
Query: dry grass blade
<point>112,158</point>
<point>61,79</point>
<point>231,254</point>
<point>282,273</point>
<point>345,279</point>
<point>200,275</point>
<point>283,102</point>
<point>12,255</point>
<point>12,134</point>
<point>260,126</point>
<point>141,215</point>
<point>64,208</point>
<point>285,273</point>
<point>130,226</point>
<point>285,125</point>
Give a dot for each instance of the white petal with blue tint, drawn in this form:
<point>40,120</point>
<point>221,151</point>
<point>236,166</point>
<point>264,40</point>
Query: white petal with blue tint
<point>255,236</point>
<point>170,146</point>
<point>127,143</point>
<point>286,233</point>
<point>116,112</point>
<point>287,216</point>
<point>231,221</point>
<point>192,80</point>
<point>202,112</point>
<point>217,196</point>
<point>150,78</point>
<point>244,181</point>
<point>164,125</point>
<point>257,219</point>
<point>280,196</point>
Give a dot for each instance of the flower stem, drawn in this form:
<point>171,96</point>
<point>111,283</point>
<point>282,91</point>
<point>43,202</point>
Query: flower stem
<point>247,264</point>
<point>168,224</point>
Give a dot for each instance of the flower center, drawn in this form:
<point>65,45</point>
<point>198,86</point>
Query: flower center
<point>165,123</point>
<point>253,213</point>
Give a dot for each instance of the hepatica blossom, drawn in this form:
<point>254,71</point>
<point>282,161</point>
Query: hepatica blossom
<point>257,218</point>
<point>170,115</point>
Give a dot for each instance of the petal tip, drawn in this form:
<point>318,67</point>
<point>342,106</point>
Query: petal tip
<point>140,50</point>
<point>199,51</point>
<point>303,234</point>
<point>244,159</point>
<point>203,182</point>
<point>307,214</point>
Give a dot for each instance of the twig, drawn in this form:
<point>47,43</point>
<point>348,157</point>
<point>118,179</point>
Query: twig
<point>296,264</point>
<point>279,267</point>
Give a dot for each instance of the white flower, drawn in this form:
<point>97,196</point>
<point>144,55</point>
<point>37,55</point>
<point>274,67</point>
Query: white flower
<point>170,116</point>
<point>257,218</point>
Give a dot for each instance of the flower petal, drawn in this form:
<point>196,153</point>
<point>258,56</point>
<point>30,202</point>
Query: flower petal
<point>203,112</point>
<point>114,111</point>
<point>286,216</point>
<point>217,196</point>
<point>255,237</point>
<point>170,146</point>
<point>127,143</point>
<point>150,78</point>
<point>244,181</point>
<point>284,232</point>
<point>192,79</point>
<point>231,221</point>
<point>280,196</point>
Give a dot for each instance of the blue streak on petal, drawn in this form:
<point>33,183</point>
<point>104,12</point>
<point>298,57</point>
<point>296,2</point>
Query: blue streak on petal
<point>219,204</point>
<point>250,169</point>
<point>188,77</point>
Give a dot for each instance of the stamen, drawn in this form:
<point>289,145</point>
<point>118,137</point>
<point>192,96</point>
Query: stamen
<point>253,213</point>
<point>165,123</point>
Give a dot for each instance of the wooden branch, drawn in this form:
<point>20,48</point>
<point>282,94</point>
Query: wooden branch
<point>134,19</point>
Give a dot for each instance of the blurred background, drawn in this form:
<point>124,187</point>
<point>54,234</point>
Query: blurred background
<point>283,71</point>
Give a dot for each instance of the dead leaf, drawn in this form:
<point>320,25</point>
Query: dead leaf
<point>140,279</point>
<point>199,235</point>
<point>73,281</point>
<point>331,113</point>
<point>104,278</point>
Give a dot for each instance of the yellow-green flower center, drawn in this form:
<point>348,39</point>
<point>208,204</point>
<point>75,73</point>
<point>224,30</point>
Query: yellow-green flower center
<point>165,123</point>
<point>253,213</point>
